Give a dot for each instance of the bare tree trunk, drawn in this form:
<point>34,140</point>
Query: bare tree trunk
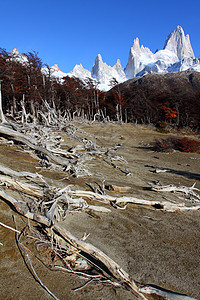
<point>117,112</point>
<point>14,100</point>
<point>3,120</point>
<point>126,116</point>
<point>120,113</point>
<point>24,114</point>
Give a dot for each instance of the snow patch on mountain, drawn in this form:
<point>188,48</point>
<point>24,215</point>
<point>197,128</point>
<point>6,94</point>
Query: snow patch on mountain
<point>185,64</point>
<point>56,72</point>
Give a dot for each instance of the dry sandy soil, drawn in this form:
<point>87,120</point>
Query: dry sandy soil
<point>153,246</point>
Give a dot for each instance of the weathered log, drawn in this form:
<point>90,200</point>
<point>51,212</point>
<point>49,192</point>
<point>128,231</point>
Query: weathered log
<point>21,186</point>
<point>92,254</point>
<point>159,293</point>
<point>36,191</point>
<point>32,143</point>
<point>95,255</point>
<point>7,171</point>
<point>98,208</point>
<point>107,199</point>
<point>179,189</point>
<point>118,189</point>
<point>22,209</point>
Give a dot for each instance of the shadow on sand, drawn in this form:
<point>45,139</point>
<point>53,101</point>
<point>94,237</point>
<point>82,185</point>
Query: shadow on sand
<point>187,174</point>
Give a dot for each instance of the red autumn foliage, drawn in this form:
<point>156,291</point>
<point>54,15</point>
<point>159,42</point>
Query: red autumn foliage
<point>181,144</point>
<point>186,145</point>
<point>169,113</point>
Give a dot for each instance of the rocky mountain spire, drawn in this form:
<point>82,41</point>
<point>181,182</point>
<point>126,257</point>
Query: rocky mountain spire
<point>137,58</point>
<point>104,73</point>
<point>179,44</point>
<point>98,65</point>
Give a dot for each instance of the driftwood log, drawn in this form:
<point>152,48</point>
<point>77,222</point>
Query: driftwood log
<point>96,255</point>
<point>190,192</point>
<point>107,199</point>
<point>22,209</point>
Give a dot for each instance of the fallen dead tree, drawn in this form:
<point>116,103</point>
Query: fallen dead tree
<point>116,201</point>
<point>32,143</point>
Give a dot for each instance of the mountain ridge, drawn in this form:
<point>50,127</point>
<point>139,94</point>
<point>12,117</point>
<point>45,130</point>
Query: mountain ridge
<point>177,55</point>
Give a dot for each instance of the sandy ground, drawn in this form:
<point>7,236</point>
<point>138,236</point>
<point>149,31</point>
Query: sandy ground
<point>153,246</point>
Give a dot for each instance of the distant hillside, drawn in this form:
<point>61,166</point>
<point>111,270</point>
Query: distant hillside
<point>170,97</point>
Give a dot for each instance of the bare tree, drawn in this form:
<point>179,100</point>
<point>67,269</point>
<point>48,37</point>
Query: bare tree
<point>3,120</point>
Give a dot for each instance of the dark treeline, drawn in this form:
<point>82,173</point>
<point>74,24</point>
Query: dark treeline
<point>172,98</point>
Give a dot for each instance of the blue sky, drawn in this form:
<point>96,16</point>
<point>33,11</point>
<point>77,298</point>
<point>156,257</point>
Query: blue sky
<point>73,32</point>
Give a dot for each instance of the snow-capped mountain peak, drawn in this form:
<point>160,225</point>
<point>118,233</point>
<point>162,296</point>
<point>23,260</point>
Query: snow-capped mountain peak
<point>55,71</point>
<point>177,55</point>
<point>80,72</point>
<point>55,68</point>
<point>179,44</point>
<point>138,58</point>
<point>104,73</point>
<point>118,66</point>
<point>136,45</point>
<point>18,57</point>
<point>15,52</point>
<point>99,58</point>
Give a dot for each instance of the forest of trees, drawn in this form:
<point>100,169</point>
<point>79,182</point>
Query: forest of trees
<point>173,98</point>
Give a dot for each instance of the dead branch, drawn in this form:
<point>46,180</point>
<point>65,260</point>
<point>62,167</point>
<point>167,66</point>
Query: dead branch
<point>95,254</point>
<point>10,228</point>
<point>7,171</point>
<point>54,202</point>
<point>30,142</point>
<point>158,293</point>
<point>21,187</point>
<point>107,199</point>
<point>188,191</point>
<point>22,250</point>
<point>22,209</point>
